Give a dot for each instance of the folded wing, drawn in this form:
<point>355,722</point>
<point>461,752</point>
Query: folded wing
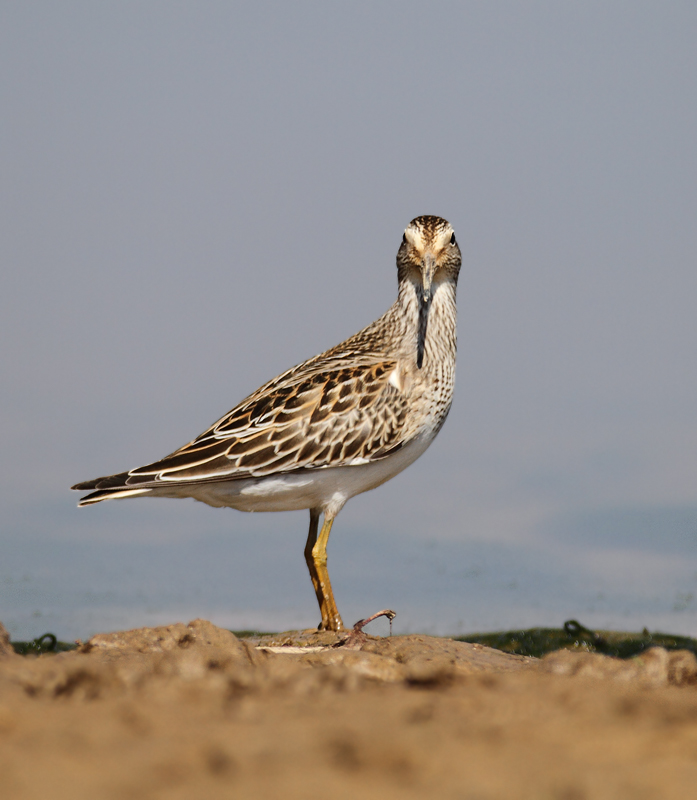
<point>323,415</point>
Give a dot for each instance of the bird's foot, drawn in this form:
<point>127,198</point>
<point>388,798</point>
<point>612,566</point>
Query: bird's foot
<point>356,638</point>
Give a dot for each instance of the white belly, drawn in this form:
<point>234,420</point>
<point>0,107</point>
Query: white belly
<point>326,488</point>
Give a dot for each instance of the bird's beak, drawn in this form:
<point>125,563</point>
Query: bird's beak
<point>427,272</point>
<point>428,269</point>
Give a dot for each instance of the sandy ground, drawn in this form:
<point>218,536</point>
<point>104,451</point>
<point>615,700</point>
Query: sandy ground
<point>193,712</point>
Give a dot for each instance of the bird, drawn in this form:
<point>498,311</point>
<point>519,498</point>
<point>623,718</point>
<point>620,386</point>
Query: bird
<point>340,423</point>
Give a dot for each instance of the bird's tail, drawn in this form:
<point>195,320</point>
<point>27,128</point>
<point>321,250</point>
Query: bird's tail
<point>110,487</point>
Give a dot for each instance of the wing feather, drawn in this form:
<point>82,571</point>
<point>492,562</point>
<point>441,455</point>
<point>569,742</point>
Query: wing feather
<point>320,414</point>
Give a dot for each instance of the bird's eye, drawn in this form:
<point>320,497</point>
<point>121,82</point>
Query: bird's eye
<point>404,238</point>
<point>452,239</point>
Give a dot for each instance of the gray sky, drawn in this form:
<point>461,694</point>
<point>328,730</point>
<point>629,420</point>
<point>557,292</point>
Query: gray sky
<point>196,196</point>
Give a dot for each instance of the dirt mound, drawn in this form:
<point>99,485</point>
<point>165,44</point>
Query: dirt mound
<point>186,711</point>
<point>5,646</point>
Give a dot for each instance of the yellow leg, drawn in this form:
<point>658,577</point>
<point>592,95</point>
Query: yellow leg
<point>316,560</point>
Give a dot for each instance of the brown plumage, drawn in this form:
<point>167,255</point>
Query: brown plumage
<point>338,424</point>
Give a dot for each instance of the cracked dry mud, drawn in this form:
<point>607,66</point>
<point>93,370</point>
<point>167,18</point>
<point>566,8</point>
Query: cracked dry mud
<point>190,711</point>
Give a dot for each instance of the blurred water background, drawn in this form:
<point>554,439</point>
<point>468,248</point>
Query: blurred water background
<point>194,197</point>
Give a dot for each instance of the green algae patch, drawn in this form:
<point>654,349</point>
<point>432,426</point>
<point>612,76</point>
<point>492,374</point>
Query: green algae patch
<point>250,633</point>
<point>48,643</point>
<point>538,642</point>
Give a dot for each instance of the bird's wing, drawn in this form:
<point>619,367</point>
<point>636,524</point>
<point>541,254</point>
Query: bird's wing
<point>318,415</point>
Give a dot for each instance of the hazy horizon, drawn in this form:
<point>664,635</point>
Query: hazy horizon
<point>197,197</point>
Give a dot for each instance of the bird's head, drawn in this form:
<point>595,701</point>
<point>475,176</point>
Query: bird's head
<point>429,255</point>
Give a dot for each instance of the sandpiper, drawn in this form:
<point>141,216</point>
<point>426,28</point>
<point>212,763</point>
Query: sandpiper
<point>334,426</point>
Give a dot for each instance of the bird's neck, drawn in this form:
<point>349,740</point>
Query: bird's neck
<point>440,340</point>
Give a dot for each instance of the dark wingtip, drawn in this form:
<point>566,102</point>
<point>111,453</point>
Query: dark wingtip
<point>118,481</point>
<point>85,485</point>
